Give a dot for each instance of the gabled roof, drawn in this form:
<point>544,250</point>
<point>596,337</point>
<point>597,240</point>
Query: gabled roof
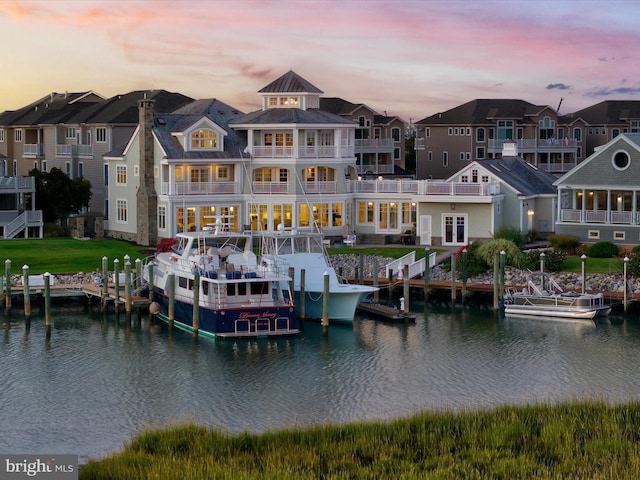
<point>290,116</point>
<point>597,169</point>
<point>609,112</point>
<point>123,109</point>
<point>290,82</point>
<point>166,125</point>
<point>526,179</point>
<point>54,108</point>
<point>481,111</point>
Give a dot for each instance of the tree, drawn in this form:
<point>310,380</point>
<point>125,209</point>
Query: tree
<point>58,196</point>
<point>410,154</point>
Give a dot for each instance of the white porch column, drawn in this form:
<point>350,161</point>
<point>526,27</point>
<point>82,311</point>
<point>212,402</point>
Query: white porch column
<point>583,214</point>
<point>608,219</point>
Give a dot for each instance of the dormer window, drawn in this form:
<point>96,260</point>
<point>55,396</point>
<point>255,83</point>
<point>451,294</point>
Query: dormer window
<point>284,102</point>
<point>205,139</point>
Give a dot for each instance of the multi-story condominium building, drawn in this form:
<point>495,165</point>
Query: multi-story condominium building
<point>72,131</point>
<point>606,120</point>
<point>448,141</point>
<point>379,141</point>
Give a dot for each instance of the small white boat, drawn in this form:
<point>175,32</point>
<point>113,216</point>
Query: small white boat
<point>237,296</point>
<point>305,250</point>
<point>543,297</point>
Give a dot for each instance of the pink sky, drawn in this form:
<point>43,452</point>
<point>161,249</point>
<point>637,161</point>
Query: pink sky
<point>410,58</point>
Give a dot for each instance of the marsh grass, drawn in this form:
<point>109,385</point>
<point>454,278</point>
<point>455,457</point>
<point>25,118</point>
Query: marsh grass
<point>577,440</point>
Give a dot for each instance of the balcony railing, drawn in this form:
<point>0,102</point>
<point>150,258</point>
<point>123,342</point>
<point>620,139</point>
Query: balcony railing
<point>17,184</point>
<point>198,188</point>
<point>425,187</point>
<point>532,144</point>
<point>33,150</point>
<point>270,187</point>
<point>64,150</point>
<point>372,145</point>
<point>599,216</point>
<point>375,169</point>
<point>320,187</point>
<point>419,144</point>
<point>315,151</point>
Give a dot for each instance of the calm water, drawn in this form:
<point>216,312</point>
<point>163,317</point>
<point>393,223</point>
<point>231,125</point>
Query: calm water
<point>96,382</point>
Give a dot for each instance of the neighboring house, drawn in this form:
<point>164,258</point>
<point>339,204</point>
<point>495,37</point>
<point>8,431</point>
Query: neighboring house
<point>599,200</point>
<point>606,120</point>
<point>448,141</point>
<point>72,131</point>
<point>18,217</point>
<point>379,139</point>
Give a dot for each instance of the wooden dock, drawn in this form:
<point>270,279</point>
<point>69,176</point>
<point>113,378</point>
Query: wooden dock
<point>97,291</point>
<point>384,312</point>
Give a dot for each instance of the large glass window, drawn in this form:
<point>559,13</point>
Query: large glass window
<point>121,174</point>
<point>365,212</point>
<point>121,211</point>
<point>204,138</point>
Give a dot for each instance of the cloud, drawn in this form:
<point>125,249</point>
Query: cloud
<point>605,92</point>
<point>558,86</point>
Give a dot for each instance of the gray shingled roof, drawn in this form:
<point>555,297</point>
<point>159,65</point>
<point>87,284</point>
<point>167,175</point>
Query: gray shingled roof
<point>338,106</point>
<point>123,109</point>
<point>164,124</point>
<point>609,112</point>
<point>55,108</point>
<point>292,116</point>
<point>524,177</point>
<point>477,112</point>
<point>290,82</point>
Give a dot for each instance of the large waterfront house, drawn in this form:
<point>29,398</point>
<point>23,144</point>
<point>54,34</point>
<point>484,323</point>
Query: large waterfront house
<point>599,200</point>
<point>450,140</point>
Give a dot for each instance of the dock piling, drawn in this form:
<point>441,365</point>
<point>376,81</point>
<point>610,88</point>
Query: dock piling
<point>325,306</point>
<point>7,276</point>
<point>47,301</point>
<point>196,305</point>
<point>171,287</point>
<point>301,299</point>
<point>27,293</point>
<point>454,290</point>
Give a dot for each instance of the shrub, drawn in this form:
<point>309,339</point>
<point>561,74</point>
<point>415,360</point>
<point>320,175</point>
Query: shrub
<point>165,244</point>
<point>636,249</point>
<point>634,263</point>
<point>52,229</point>
<point>508,232</point>
<point>553,260</point>
<point>487,252</point>
<point>602,250</point>
<point>475,265</point>
<point>566,243</point>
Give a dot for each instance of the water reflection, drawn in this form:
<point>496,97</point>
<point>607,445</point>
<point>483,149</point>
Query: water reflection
<point>96,381</point>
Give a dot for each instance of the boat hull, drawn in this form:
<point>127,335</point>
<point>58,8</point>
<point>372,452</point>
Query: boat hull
<point>342,303</point>
<point>233,322</point>
<point>553,312</point>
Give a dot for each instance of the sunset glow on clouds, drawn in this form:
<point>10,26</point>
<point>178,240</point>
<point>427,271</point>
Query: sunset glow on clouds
<point>411,58</point>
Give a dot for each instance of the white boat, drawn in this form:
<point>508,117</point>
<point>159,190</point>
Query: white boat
<point>305,250</point>
<point>543,297</point>
<point>238,296</point>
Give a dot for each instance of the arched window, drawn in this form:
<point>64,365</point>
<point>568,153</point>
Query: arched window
<point>204,139</point>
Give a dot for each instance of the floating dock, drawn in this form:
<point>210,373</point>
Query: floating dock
<point>384,312</point>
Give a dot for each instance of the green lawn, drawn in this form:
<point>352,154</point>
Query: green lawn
<point>65,255</point>
<point>594,265</point>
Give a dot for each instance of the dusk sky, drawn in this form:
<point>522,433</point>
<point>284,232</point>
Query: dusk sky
<point>410,58</point>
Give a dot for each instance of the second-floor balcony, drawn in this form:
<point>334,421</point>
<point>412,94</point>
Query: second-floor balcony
<point>374,145</point>
<point>375,169</point>
<point>17,184</point>
<point>600,216</point>
<point>321,187</point>
<point>528,145</point>
<point>64,150</point>
<point>199,188</point>
<point>33,150</point>
<point>270,187</point>
<point>314,151</point>
<point>425,187</point>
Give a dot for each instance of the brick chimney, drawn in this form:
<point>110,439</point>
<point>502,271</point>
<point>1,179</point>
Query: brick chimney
<point>146,197</point>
